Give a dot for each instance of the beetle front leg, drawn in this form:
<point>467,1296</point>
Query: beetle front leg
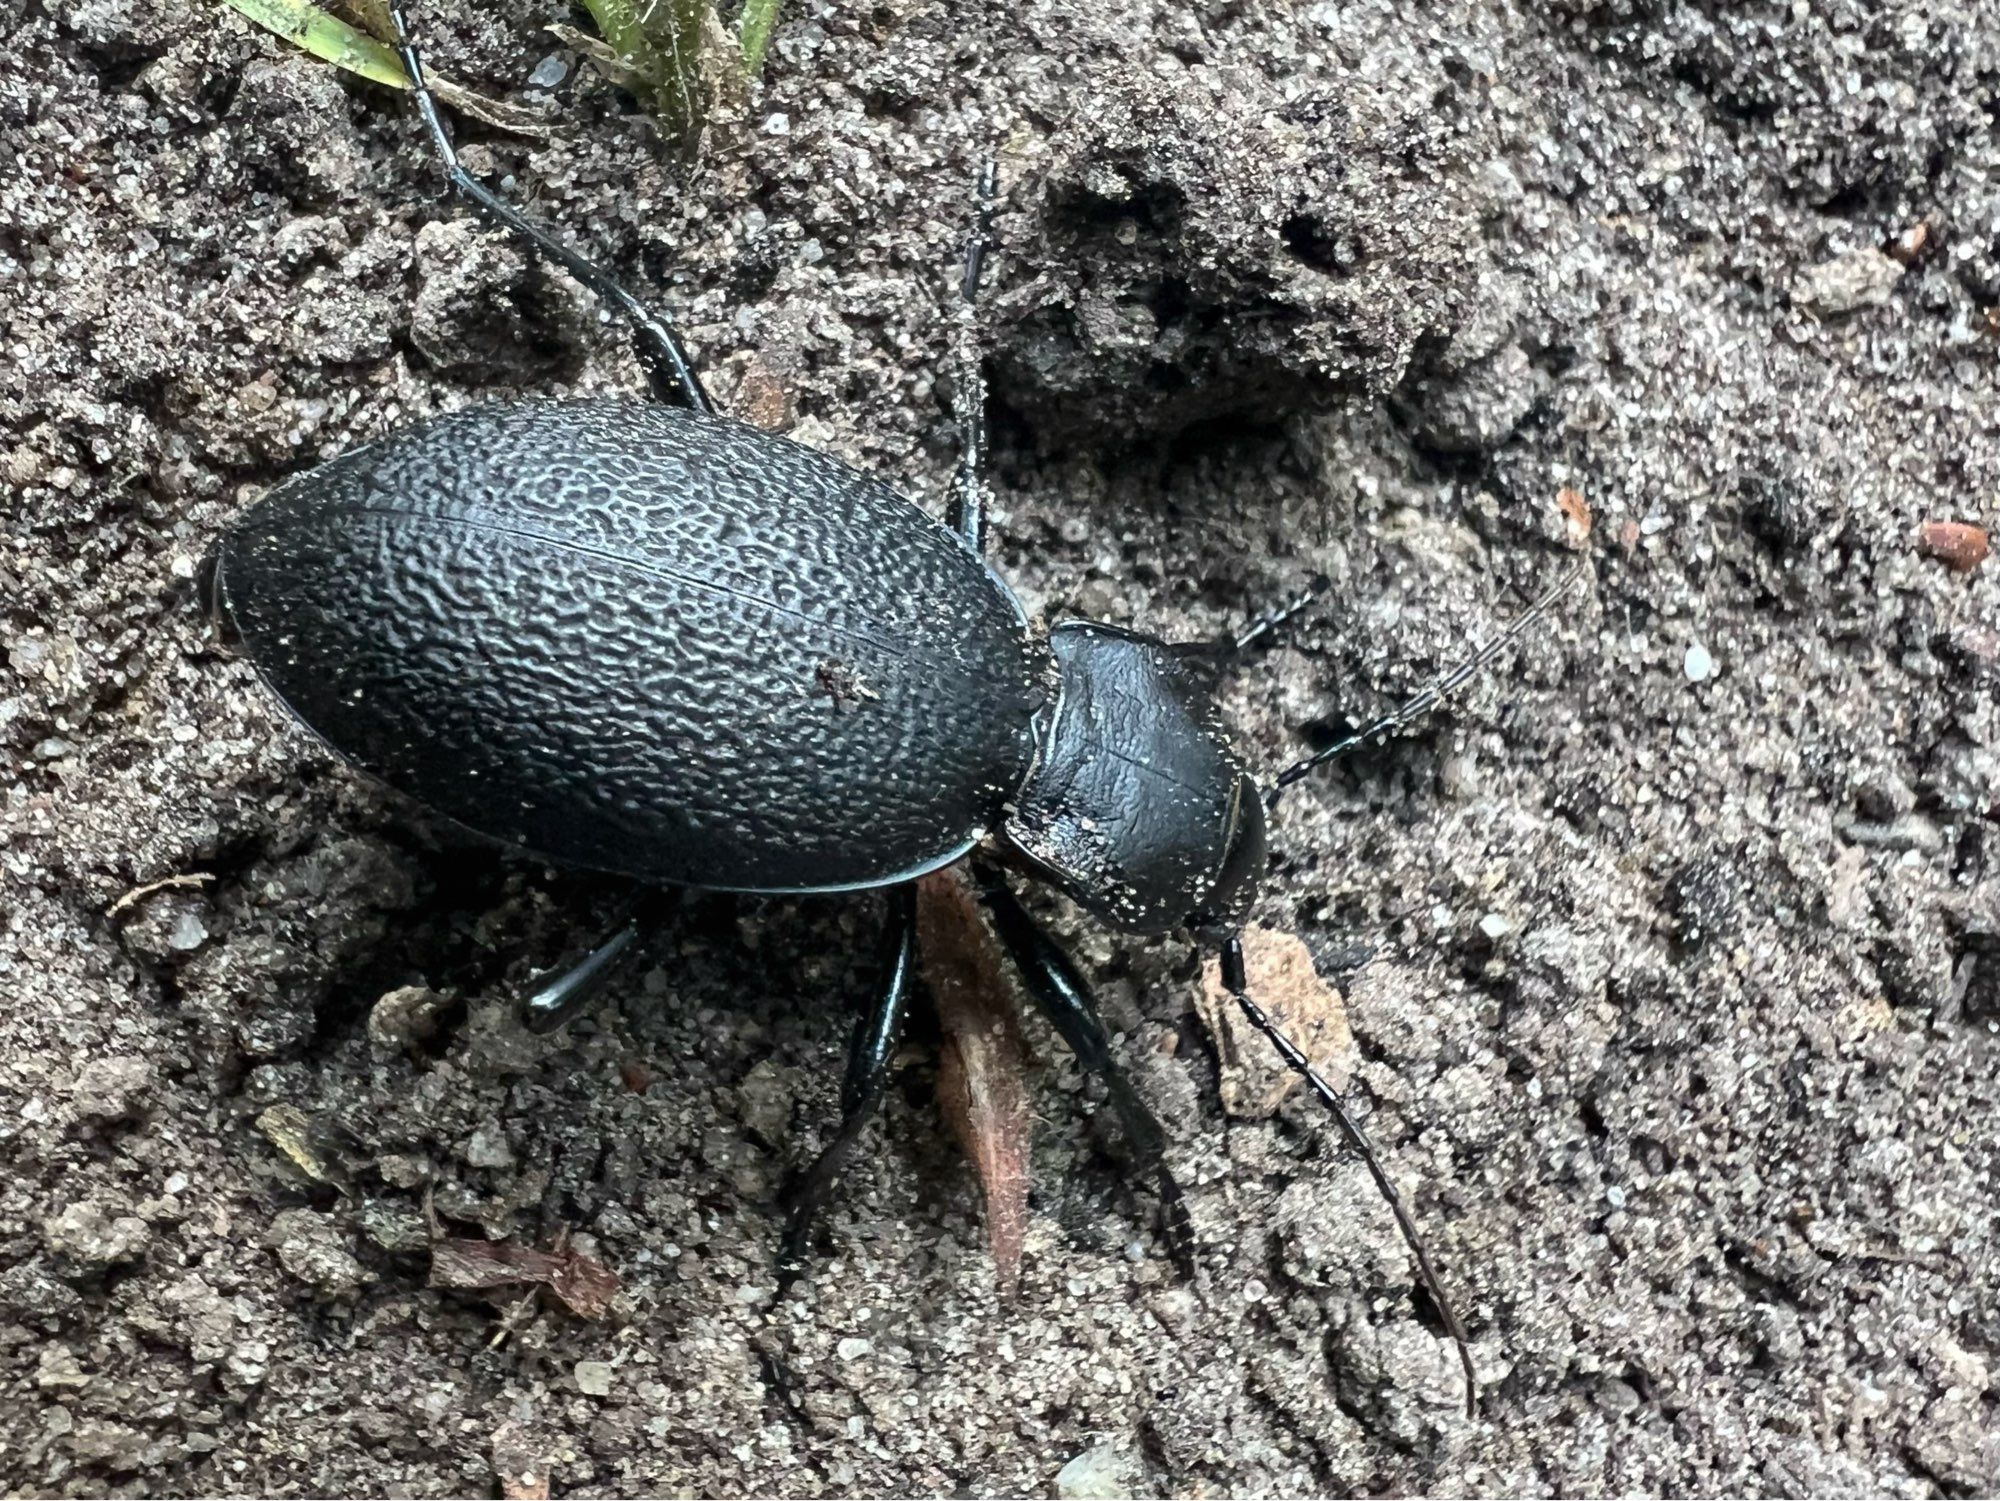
<point>1064,997</point>
<point>669,369</point>
<point>868,1055</point>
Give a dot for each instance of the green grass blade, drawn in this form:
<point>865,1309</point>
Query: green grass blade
<point>659,41</point>
<point>753,31</point>
<point>327,38</point>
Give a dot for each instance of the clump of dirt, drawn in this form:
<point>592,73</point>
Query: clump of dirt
<point>1668,950</point>
<point>1225,244</point>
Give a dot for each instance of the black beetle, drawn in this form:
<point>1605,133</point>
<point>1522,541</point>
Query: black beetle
<point>642,638</point>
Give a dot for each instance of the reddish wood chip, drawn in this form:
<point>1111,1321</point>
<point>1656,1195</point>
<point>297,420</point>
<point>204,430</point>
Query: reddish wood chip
<point>1576,514</point>
<point>585,1286</point>
<point>1909,246</point>
<point>982,1084</point>
<point>761,398</point>
<point>1959,545</point>
<point>1255,1081</point>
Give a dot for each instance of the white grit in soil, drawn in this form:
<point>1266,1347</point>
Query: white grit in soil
<point>1671,949</point>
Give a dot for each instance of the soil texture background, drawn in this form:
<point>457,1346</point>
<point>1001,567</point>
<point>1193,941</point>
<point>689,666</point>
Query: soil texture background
<point>1671,949</point>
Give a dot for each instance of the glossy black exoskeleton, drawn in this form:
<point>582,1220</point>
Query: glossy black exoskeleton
<point>643,638</point>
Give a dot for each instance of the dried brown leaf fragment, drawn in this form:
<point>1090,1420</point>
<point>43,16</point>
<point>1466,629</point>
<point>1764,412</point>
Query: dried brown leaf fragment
<point>586,1287</point>
<point>982,1083</point>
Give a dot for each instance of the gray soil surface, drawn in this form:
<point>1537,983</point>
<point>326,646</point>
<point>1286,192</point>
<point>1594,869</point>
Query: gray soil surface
<point>1672,948</point>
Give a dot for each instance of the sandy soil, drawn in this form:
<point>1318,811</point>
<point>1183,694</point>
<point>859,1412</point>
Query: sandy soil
<point>1672,950</point>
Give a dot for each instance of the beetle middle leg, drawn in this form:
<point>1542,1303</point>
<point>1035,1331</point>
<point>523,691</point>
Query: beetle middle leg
<point>669,369</point>
<point>868,1055</point>
<point>967,515</point>
<point>1064,997</point>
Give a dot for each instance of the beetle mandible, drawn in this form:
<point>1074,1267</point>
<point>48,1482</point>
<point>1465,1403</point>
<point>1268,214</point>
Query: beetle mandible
<point>602,631</point>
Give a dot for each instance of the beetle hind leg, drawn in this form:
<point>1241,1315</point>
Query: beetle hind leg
<point>559,997</point>
<point>868,1055</point>
<point>669,369</point>
<point>1064,997</point>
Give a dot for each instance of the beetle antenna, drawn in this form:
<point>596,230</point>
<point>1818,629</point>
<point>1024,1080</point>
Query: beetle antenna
<point>1427,700</point>
<point>1267,625</point>
<point>1236,979</point>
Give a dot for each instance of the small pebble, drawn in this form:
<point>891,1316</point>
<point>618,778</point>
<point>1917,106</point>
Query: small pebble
<point>406,1016</point>
<point>313,1249</point>
<point>549,72</point>
<point>1098,1473</point>
<point>488,1147</point>
<point>91,1236</point>
<point>111,1088</point>
<point>1698,664</point>
<point>852,1348</point>
<point>593,1378</point>
<point>188,933</point>
<point>1861,278</point>
<point>1959,545</point>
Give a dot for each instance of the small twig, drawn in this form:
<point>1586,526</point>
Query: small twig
<point>515,1317</point>
<point>165,883</point>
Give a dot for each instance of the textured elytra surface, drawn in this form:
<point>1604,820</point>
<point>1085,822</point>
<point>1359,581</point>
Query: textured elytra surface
<point>630,638</point>
<point>1674,998</point>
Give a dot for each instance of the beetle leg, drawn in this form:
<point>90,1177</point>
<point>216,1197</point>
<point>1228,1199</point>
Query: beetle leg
<point>669,370</point>
<point>555,1001</point>
<point>868,1055</point>
<point>560,997</point>
<point>968,494</point>
<point>1064,997</point>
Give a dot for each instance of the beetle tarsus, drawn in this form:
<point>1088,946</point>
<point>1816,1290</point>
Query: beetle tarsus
<point>868,1056</point>
<point>670,370</point>
<point>1058,988</point>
